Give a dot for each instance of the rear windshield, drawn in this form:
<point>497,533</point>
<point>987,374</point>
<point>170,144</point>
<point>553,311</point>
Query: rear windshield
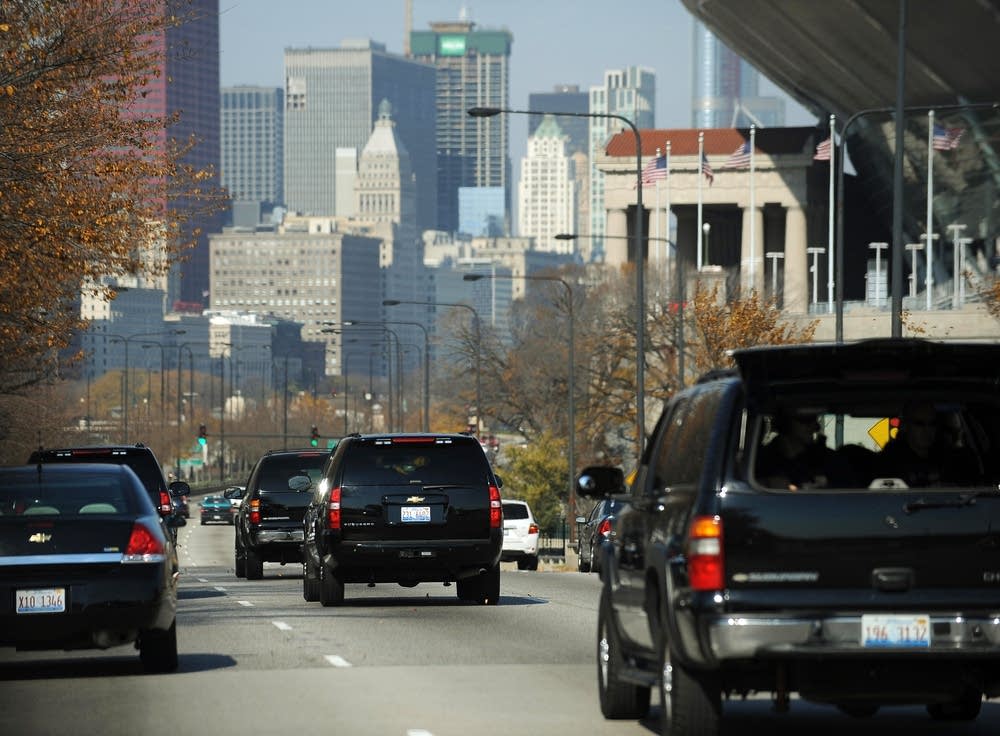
<point>141,462</point>
<point>76,494</point>
<point>515,511</point>
<point>428,464</point>
<point>278,470</point>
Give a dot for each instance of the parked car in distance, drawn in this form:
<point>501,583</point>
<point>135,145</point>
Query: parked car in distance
<point>235,495</point>
<point>269,520</point>
<point>216,508</point>
<point>593,530</point>
<point>405,509</point>
<point>86,563</point>
<point>520,535</point>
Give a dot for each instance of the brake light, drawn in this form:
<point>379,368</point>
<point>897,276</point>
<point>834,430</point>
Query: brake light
<point>333,510</point>
<point>254,514</point>
<point>496,508</point>
<point>143,546</point>
<point>532,528</point>
<point>604,528</point>
<point>706,570</point>
<point>166,507</point>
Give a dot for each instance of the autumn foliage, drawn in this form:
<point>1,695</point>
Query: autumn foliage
<point>86,168</point>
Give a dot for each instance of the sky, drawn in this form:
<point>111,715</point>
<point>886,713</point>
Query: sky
<point>555,42</point>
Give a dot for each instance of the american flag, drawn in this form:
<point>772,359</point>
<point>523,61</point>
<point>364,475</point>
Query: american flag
<point>824,150</point>
<point>740,157</point>
<point>946,139</point>
<point>655,170</point>
<point>706,169</point>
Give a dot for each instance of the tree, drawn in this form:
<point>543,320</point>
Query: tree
<point>536,473</point>
<point>989,292</point>
<point>86,171</point>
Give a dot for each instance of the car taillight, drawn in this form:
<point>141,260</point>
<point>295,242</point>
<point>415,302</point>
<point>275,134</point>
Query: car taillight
<point>255,511</point>
<point>604,528</point>
<point>704,552</point>
<point>496,508</point>
<point>166,507</point>
<point>143,546</point>
<point>532,528</point>
<point>333,510</point>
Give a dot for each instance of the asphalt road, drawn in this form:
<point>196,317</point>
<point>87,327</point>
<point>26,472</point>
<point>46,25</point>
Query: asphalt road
<point>255,658</point>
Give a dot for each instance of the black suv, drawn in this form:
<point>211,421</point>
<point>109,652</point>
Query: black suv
<point>406,509</point>
<point>269,519</point>
<point>143,462</point>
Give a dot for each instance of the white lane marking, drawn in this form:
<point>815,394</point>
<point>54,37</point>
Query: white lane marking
<point>248,604</point>
<point>202,580</point>
<point>418,732</point>
<point>336,660</point>
<point>219,588</point>
<point>282,625</point>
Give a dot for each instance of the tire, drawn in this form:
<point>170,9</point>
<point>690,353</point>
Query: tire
<point>619,700</point>
<point>581,564</point>
<point>255,565</point>
<point>331,589</point>
<point>531,563</point>
<point>690,701</point>
<point>158,649</point>
<point>483,589</point>
<point>310,582</point>
<point>858,710</point>
<point>239,561</point>
<point>203,522</point>
<point>964,709</point>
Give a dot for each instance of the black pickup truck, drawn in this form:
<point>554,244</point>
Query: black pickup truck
<point>871,583</point>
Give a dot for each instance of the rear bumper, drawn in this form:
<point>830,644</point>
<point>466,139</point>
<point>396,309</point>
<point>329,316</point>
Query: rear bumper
<point>778,637</point>
<point>411,560</point>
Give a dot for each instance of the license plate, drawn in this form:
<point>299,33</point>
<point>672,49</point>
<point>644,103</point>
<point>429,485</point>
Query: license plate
<point>414,513</point>
<point>896,631</point>
<point>41,600</point>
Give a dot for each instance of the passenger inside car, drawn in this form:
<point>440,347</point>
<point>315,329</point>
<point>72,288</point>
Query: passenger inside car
<point>929,449</point>
<point>796,456</point>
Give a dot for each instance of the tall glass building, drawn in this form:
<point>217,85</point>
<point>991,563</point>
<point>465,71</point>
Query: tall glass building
<point>472,71</point>
<point>252,137</point>
<point>331,101</point>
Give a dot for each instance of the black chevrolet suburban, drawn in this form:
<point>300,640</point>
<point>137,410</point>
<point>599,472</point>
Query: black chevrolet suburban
<point>866,582</point>
<point>406,509</point>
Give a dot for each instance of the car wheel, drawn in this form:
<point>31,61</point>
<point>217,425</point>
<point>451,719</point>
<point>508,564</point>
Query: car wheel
<point>618,699</point>
<point>239,561</point>
<point>858,710</point>
<point>158,649</point>
<point>531,563</point>
<point>489,594</point>
<point>965,708</point>
<point>331,588</point>
<point>203,522</point>
<point>255,565</point>
<point>690,701</point>
<point>583,565</point>
<point>310,582</point>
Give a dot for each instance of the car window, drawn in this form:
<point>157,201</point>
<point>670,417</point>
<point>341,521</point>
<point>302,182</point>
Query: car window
<point>688,435</point>
<point>76,494</point>
<point>429,464</point>
<point>276,471</point>
<point>515,511</point>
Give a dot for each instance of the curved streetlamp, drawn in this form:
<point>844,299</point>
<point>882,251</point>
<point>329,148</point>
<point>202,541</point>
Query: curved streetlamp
<point>640,261</point>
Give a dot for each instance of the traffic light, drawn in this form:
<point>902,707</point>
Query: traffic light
<point>202,435</point>
<point>314,437</point>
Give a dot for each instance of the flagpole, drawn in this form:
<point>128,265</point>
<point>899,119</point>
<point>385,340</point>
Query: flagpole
<point>666,209</point>
<point>701,157</point>
<point>753,215</point>
<point>829,233</point>
<point>928,278</point>
<point>656,215</point>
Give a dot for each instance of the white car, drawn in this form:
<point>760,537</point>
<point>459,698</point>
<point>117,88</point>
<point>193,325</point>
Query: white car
<point>235,495</point>
<point>520,536</point>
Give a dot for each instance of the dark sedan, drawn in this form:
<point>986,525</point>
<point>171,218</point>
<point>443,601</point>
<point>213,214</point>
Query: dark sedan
<point>593,529</point>
<point>216,508</point>
<point>85,563</point>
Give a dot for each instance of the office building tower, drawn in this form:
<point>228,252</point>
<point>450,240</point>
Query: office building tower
<point>188,87</point>
<point>630,93</point>
<point>563,98</point>
<point>472,71</point>
<point>252,138</point>
<point>331,101</point>
<point>726,88</point>
<point>546,201</point>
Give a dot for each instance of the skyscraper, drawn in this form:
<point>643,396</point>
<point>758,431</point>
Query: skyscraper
<point>547,190</point>
<point>331,100</point>
<point>563,98</point>
<point>472,70</point>
<point>252,137</point>
<point>726,88</point>
<point>631,93</point>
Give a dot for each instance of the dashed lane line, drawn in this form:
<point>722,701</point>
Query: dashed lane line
<point>282,625</point>
<point>336,660</point>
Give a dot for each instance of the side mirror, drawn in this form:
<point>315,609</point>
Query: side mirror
<point>299,483</point>
<point>598,481</point>
<point>180,488</point>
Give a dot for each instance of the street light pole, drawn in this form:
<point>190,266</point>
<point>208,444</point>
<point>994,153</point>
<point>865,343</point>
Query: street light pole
<point>571,440</point>
<point>640,261</point>
<point>479,344</point>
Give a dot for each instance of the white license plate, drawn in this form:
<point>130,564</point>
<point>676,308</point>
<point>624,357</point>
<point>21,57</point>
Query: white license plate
<point>414,513</point>
<point>892,631</point>
<point>41,600</point>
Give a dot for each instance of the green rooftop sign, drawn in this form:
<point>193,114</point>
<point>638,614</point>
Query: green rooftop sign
<point>451,45</point>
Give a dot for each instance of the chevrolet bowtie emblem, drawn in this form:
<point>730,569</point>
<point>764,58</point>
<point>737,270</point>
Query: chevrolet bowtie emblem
<point>415,499</point>
<point>40,537</point>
